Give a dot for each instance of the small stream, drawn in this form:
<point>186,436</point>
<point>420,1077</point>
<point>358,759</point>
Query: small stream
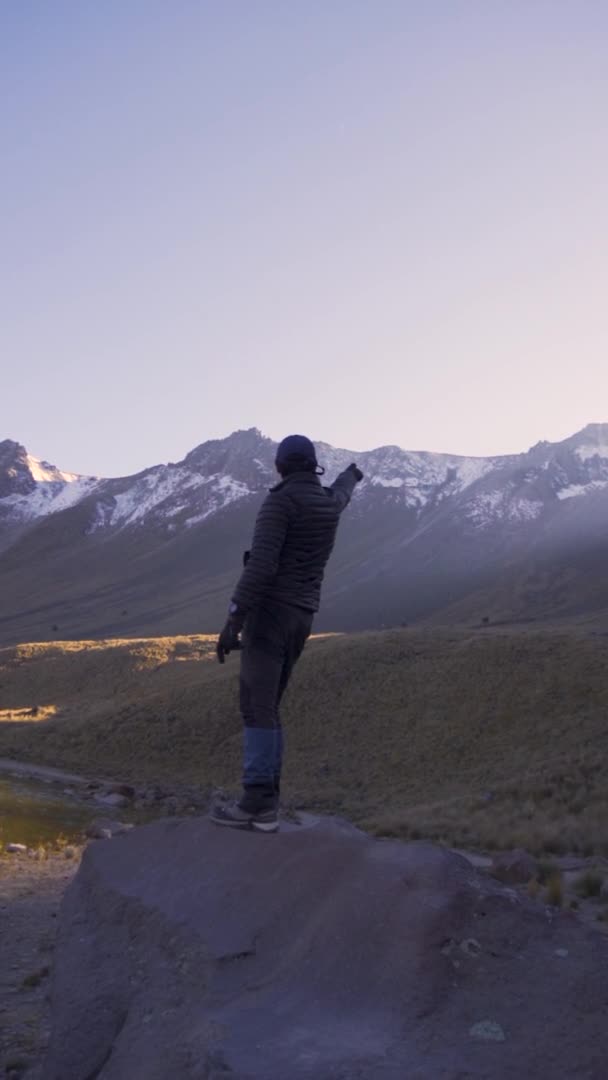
<point>33,812</point>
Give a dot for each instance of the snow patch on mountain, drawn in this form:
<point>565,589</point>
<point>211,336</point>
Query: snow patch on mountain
<point>599,449</point>
<point>394,482</point>
<point>150,491</point>
<point>43,473</point>
<point>49,496</point>
<point>489,506</point>
<point>469,470</point>
<point>102,515</point>
<point>524,509</point>
<point>421,477</point>
<point>231,489</point>
<point>223,490</point>
<point>574,490</point>
<point>165,493</point>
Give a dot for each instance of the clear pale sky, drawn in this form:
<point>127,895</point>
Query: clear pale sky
<point>372,222</point>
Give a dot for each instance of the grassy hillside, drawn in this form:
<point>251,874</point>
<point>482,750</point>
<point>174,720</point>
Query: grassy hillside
<point>484,739</point>
<point>544,589</point>
<point>67,580</point>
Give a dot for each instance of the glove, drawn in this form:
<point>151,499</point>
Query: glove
<point>229,639</point>
<point>354,469</point>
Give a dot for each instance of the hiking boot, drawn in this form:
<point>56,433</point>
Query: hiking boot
<point>233,815</point>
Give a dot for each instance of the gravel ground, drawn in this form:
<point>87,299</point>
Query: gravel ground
<point>30,893</point>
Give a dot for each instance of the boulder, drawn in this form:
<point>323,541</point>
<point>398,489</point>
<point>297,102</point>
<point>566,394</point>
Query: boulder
<point>105,829</point>
<point>515,867</point>
<point>112,798</point>
<point>201,953</point>
<point>123,789</point>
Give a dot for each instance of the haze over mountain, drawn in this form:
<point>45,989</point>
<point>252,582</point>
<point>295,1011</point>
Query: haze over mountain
<point>428,536</point>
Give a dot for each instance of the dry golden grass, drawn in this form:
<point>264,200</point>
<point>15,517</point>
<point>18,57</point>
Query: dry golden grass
<point>27,716</point>
<point>555,891</point>
<point>489,740</point>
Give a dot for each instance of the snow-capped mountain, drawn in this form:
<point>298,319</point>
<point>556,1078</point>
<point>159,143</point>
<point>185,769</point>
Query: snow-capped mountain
<point>219,472</point>
<point>426,529</point>
<point>31,488</point>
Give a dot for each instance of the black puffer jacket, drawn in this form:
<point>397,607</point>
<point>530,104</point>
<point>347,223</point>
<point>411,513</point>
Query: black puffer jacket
<point>294,535</point>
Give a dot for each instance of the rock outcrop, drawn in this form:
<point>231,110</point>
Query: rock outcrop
<point>196,953</point>
<point>515,867</point>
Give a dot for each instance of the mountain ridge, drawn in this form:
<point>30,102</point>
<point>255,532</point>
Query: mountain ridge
<point>41,471</point>
<point>218,454</point>
<point>426,533</point>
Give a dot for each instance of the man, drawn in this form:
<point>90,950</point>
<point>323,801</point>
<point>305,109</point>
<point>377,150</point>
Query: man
<point>273,605</point>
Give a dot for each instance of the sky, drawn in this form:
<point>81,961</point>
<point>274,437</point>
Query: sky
<point>369,221</point>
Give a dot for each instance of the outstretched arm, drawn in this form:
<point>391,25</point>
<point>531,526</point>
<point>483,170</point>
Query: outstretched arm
<point>344,485</point>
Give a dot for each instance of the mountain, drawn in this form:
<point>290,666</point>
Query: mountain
<point>428,536</point>
<point>30,489</point>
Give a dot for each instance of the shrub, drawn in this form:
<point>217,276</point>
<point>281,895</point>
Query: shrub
<point>555,890</point>
<point>35,978</point>
<point>546,870</point>
<point>589,884</point>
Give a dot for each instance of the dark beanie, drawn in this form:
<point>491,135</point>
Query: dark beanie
<point>296,451</point>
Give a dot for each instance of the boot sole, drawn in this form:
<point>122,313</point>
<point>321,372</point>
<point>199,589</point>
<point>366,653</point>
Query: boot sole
<point>255,826</point>
<point>265,826</point>
<point>231,824</point>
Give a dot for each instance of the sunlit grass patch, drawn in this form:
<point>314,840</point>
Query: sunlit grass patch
<point>27,715</point>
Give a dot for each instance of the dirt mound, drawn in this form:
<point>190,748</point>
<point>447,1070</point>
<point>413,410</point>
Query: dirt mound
<point>200,953</point>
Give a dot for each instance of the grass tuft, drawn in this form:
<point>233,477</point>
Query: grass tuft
<point>554,894</point>
<point>589,885</point>
<point>35,978</point>
<point>547,869</point>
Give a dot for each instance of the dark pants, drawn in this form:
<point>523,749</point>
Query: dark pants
<point>273,639</point>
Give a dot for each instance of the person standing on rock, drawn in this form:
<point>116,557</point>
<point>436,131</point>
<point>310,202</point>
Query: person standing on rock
<point>273,605</point>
